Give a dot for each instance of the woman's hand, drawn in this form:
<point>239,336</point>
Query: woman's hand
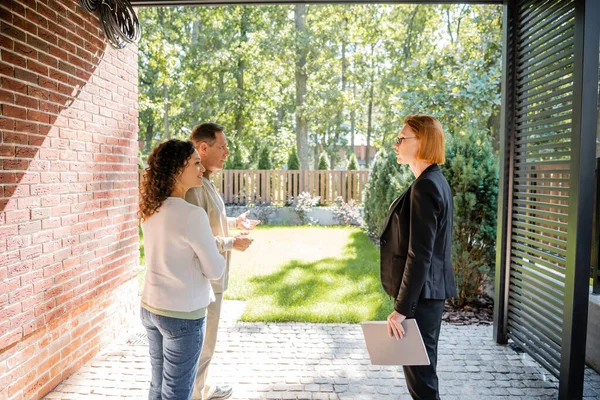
<point>395,328</point>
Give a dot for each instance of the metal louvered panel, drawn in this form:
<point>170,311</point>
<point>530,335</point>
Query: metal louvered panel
<point>549,114</point>
<point>543,113</point>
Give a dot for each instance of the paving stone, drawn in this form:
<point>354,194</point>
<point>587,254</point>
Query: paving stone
<point>323,362</point>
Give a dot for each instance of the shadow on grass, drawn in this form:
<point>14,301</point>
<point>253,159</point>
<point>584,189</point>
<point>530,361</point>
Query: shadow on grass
<point>332,289</point>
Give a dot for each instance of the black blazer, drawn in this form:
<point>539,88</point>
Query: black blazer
<point>416,243</point>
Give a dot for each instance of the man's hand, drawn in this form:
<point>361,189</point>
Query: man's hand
<point>244,223</point>
<point>395,325</point>
<point>241,242</point>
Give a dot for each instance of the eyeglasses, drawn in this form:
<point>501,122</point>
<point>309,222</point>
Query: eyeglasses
<point>400,139</point>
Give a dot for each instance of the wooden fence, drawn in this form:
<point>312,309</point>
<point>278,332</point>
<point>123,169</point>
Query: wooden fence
<point>280,186</point>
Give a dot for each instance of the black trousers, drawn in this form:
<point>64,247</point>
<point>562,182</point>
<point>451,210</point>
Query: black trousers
<point>422,380</point>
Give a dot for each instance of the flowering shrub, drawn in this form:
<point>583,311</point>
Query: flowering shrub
<point>302,204</point>
<point>347,213</point>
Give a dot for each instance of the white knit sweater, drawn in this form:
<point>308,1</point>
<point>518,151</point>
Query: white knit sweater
<point>181,257</point>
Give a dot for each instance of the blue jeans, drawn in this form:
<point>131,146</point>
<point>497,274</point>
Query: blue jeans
<point>175,346</point>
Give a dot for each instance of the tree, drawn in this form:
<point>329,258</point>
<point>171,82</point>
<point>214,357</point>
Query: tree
<point>264,162</point>
<point>293,163</point>
<point>324,162</point>
<point>386,182</point>
<point>352,163</point>
<point>301,78</point>
<point>236,160</point>
<point>472,172</point>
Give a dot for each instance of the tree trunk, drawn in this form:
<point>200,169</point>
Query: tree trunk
<point>241,98</point>
<point>278,121</point>
<point>409,34</point>
<point>166,133</point>
<point>149,136</point>
<point>340,116</point>
<point>353,117</point>
<point>195,104</point>
<point>301,78</point>
<point>370,111</point>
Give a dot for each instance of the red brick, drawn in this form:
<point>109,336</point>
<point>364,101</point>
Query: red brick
<point>41,237</point>
<point>24,24</point>
<point>10,312</point>
<point>48,60</point>
<point>24,50</point>
<point>6,123</point>
<point>31,276</point>
<point>7,69</point>
<point>19,295</point>
<point>47,364</point>
<point>40,213</point>
<point>42,285</point>
<point>56,313</point>
<point>37,67</point>
<point>22,318</point>
<point>20,357</point>
<point>48,36</point>
<point>38,116</point>
<point>22,382</point>
<point>11,338</point>
<point>30,252</point>
<point>19,268</point>
<point>6,15</point>
<point>16,191</point>
<point>7,231</point>
<point>27,178</point>
<point>32,301</point>
<point>13,85</point>
<point>6,42</point>
<point>24,75</point>
<point>33,389</point>
<point>26,152</point>
<point>46,12</point>
<point>57,29</point>
<point>6,96</point>
<point>12,32</point>
<point>38,43</point>
<point>27,127</point>
<point>27,102</point>
<point>37,92</point>
<point>32,16</point>
<point>53,292</point>
<point>14,112</point>
<point>43,261</point>
<point>8,177</point>
<point>17,216</point>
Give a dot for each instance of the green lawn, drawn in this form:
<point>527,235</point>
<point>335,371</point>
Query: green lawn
<point>142,272</point>
<point>313,274</point>
<point>305,274</point>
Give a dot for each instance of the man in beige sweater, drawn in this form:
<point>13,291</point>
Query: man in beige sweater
<point>211,143</point>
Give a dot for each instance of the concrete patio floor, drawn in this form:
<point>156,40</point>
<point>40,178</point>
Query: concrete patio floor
<point>322,361</point>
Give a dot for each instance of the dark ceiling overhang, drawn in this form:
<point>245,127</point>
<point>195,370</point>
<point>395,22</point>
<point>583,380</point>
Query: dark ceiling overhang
<point>138,3</point>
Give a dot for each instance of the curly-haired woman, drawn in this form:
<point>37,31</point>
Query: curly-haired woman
<point>181,259</point>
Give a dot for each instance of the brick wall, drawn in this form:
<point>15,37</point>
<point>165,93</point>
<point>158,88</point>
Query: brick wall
<point>68,192</point>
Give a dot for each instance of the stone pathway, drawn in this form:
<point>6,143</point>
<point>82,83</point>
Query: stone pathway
<point>322,361</point>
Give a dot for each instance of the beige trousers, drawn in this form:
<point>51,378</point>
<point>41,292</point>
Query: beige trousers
<point>208,348</point>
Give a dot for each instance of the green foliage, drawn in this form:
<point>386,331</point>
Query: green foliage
<point>387,181</point>
<point>323,162</point>
<point>236,65</point>
<point>352,163</point>
<point>235,160</point>
<point>264,162</point>
<point>472,172</point>
<point>293,163</point>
